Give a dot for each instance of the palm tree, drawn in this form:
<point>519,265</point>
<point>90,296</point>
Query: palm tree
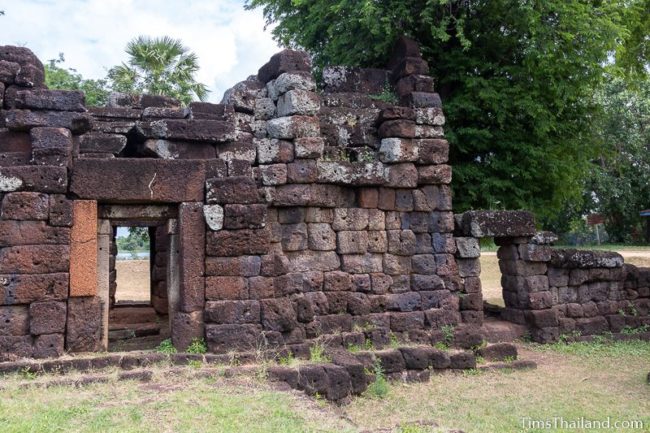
<point>159,66</point>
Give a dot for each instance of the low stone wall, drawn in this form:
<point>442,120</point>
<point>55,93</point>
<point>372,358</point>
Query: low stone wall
<point>557,292</point>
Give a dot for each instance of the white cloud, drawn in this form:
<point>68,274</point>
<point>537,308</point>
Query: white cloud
<point>230,42</point>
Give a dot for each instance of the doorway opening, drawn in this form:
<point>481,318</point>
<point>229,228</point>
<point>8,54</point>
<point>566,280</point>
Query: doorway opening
<point>137,270</point>
<point>132,266</point>
<point>491,284</point>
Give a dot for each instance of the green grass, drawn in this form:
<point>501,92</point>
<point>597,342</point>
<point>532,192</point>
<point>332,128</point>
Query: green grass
<point>590,380</point>
<point>190,405</point>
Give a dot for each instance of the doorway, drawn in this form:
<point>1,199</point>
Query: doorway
<point>136,274</point>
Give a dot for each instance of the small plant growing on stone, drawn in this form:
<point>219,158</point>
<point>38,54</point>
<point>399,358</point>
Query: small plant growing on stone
<point>448,333</point>
<point>386,95</point>
<point>317,353</point>
<point>380,387</point>
<point>393,341</point>
<point>195,363</point>
<point>166,346</point>
<point>198,346</point>
<point>509,359</point>
<point>441,345</point>
<point>480,360</point>
<point>287,360</point>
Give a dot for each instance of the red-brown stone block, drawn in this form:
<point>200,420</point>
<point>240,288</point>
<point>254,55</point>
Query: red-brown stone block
<point>83,249</point>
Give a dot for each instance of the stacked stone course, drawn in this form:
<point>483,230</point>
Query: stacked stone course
<point>282,215</point>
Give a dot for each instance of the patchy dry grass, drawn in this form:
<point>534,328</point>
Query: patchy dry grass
<point>593,381</point>
<point>168,404</point>
<point>590,380</point>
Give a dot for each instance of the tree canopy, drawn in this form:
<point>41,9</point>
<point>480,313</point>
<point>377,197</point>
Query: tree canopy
<point>159,66</point>
<point>57,77</point>
<point>517,80</point>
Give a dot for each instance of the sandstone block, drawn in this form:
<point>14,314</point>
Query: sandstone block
<point>84,323</point>
<point>24,120</point>
<point>284,61</point>
<point>229,243</point>
<point>240,190</point>
<point>25,206</point>
<point>58,100</point>
<point>293,127</point>
<point>83,249</point>
<point>301,102</point>
<point>245,266</point>
<point>47,317</point>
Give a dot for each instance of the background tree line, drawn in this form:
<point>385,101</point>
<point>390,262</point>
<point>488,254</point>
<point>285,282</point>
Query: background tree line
<point>158,66</point>
<point>547,101</point>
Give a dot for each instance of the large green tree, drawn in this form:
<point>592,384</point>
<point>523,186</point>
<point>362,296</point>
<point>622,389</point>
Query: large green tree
<point>159,66</point>
<point>620,180</point>
<point>516,78</point>
<point>58,77</point>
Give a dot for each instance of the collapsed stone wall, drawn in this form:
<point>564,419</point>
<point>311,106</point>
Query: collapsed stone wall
<point>557,292</point>
<point>299,213</point>
<point>282,215</point>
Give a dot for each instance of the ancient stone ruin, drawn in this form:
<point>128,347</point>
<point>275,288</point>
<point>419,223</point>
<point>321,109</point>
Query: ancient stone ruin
<point>284,214</point>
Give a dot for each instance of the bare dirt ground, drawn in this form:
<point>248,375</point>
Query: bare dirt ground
<point>133,280</point>
<point>491,275</point>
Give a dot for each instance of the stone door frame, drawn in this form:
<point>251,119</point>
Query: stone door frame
<point>112,215</point>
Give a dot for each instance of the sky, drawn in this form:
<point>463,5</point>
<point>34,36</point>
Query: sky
<point>231,42</point>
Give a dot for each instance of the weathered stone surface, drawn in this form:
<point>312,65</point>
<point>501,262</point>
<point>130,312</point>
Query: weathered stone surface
<point>15,233</point>
<point>398,150</point>
<point>224,312</point>
<point>272,151</point>
<point>58,139</point>
<point>48,346</point>
<point>243,95</point>
<point>421,100</point>
<point>352,242</point>
<point>403,175</point>
<point>95,142</point>
<point>498,224</point>
<point>226,288</point>
<point>24,289</point>
<point>239,189</point>
<point>228,243</point>
<point>34,259</point>
<point>58,100</point>
<point>246,266</point>
<point>585,259</point>
<point>24,120</point>
<point>293,127</point>
<point>284,61</point>
<point>244,216</point>
<point>434,174</point>
<point>165,113</point>
<point>225,338</point>
<point>8,71</point>
<point>84,323</point>
<point>309,147</point>
<point>191,257</point>
<point>468,247</point>
<point>33,178</point>
<point>294,237</point>
<point>299,80</point>
<point>83,249</point>
<point>47,317</point>
<point>15,321</point>
<point>432,151</point>
<point>274,174</point>
<point>25,206</point>
<point>211,131</point>
<point>300,102</point>
<point>187,327</point>
<point>167,181</point>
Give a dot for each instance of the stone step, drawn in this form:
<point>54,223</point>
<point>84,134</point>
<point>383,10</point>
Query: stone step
<point>132,314</point>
